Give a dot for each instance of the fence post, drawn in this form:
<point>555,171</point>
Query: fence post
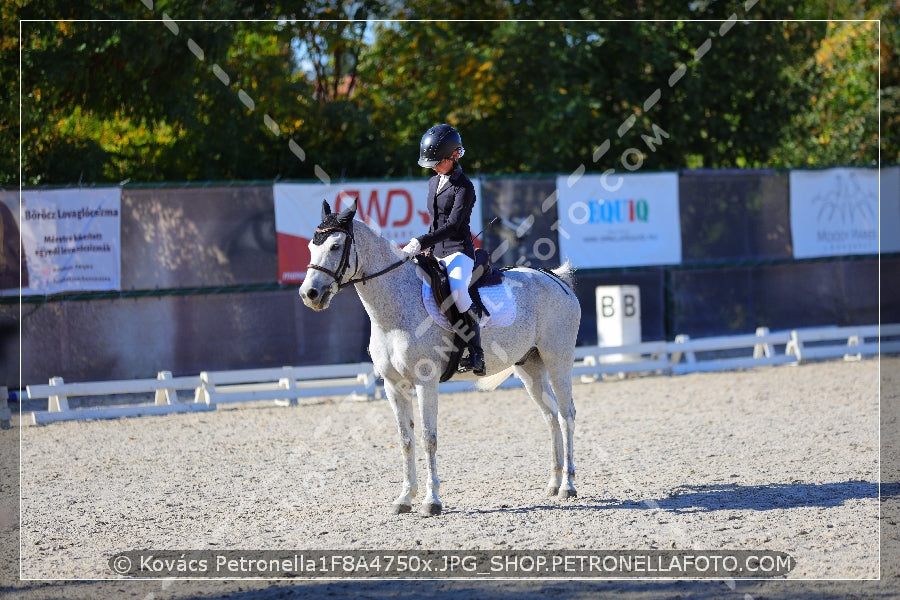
<point>795,346</point>
<point>57,402</point>
<point>201,394</point>
<point>167,395</point>
<point>287,383</point>
<point>763,350</point>
<point>689,356</point>
<point>853,341</point>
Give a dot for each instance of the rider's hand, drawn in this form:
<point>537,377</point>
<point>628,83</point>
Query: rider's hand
<point>413,247</point>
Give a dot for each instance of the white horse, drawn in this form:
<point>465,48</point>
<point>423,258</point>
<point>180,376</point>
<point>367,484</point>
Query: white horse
<point>410,351</point>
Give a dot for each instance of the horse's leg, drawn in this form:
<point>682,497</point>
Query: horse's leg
<point>428,407</point>
<point>534,376</point>
<point>400,398</point>
<point>560,370</point>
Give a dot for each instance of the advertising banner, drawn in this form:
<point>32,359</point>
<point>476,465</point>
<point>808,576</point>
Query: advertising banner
<point>71,240</point>
<point>834,212</point>
<point>10,246</point>
<point>525,233</point>
<point>197,236</point>
<point>398,209</point>
<point>619,220</point>
<point>890,209</point>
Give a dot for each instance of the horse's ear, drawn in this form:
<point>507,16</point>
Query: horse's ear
<point>348,213</point>
<point>326,209</point>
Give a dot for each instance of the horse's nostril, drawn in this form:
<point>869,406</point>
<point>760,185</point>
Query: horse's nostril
<point>312,294</point>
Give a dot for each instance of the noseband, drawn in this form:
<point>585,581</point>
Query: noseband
<point>344,263</point>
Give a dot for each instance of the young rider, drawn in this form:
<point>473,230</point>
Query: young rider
<point>451,197</point>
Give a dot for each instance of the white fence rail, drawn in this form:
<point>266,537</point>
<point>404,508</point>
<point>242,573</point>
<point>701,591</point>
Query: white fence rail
<point>286,385</point>
<point>164,387</point>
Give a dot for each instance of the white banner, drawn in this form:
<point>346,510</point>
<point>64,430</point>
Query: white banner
<point>71,240</point>
<point>619,220</point>
<point>834,212</point>
<point>398,209</point>
<point>890,209</point>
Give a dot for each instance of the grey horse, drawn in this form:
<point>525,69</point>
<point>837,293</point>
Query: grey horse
<point>409,351</point>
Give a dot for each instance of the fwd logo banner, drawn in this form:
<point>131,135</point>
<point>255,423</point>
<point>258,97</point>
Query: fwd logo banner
<point>619,220</point>
<point>397,209</point>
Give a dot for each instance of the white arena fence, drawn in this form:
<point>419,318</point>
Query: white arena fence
<point>358,381</point>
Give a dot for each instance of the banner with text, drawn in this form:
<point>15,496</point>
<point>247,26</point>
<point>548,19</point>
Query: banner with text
<point>619,220</point>
<point>397,209</point>
<point>71,240</point>
<point>834,212</point>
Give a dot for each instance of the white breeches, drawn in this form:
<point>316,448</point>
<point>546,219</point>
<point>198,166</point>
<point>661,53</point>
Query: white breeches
<point>459,270</point>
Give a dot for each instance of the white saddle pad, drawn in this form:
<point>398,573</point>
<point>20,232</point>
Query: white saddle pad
<point>498,299</point>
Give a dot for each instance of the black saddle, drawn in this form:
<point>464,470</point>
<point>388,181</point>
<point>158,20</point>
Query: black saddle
<point>484,274</point>
<point>434,272</point>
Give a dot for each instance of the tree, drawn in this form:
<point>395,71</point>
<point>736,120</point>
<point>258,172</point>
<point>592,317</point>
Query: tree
<point>316,91</point>
<point>839,123</point>
<point>890,82</point>
<point>176,100</point>
<point>543,96</point>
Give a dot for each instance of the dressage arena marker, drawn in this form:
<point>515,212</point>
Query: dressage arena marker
<point>285,385</point>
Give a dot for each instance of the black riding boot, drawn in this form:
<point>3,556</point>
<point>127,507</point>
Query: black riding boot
<point>475,359</point>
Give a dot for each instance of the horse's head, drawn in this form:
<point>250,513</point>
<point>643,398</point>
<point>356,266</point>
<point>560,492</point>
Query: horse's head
<point>330,261</point>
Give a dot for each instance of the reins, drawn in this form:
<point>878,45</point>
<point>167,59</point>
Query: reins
<point>365,278</point>
<point>344,263</point>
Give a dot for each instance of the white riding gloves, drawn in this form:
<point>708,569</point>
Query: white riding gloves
<point>413,247</point>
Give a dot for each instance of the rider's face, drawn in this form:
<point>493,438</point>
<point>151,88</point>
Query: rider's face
<point>446,165</point>
<point>443,167</point>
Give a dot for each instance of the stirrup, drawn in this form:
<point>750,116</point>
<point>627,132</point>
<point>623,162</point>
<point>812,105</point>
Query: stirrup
<point>473,361</point>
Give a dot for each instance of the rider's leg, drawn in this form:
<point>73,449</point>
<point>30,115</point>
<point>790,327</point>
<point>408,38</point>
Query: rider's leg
<point>459,270</point>
<point>475,359</point>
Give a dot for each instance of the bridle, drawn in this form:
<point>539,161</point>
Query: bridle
<point>344,264</point>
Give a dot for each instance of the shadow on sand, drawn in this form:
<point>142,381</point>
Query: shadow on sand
<point>706,498</point>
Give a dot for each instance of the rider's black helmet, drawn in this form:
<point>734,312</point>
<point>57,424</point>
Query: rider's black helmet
<point>438,143</point>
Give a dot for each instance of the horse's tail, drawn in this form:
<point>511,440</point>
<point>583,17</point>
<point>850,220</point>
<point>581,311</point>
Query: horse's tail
<point>566,272</point>
<point>491,382</point>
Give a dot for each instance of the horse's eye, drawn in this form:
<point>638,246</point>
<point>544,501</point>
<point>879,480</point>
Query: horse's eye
<point>335,246</point>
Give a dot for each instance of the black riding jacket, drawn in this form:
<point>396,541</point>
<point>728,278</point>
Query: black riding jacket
<point>450,210</point>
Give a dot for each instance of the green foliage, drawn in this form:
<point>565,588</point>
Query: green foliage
<point>839,123</point>
<point>890,83</point>
<point>316,84</point>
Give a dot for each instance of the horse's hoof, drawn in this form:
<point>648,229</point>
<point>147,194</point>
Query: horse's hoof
<point>566,494</point>
<point>431,510</point>
<point>552,491</point>
<point>399,509</point>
